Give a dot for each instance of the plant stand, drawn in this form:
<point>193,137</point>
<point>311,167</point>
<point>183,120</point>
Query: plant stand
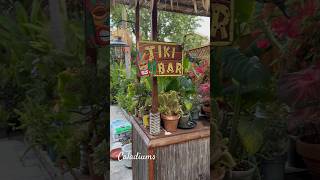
<point>184,154</point>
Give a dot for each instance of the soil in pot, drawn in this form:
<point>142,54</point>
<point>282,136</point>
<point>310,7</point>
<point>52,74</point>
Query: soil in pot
<point>170,122</point>
<point>242,171</point>
<point>294,159</point>
<point>309,148</point>
<point>273,169</point>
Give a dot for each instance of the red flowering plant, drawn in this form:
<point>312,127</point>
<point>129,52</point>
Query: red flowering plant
<point>200,77</point>
<point>296,34</point>
<point>290,30</point>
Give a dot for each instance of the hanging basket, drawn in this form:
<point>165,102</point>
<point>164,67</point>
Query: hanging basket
<point>99,14</point>
<point>154,123</point>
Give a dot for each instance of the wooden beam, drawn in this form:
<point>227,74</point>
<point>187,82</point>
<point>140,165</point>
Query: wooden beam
<point>182,7</point>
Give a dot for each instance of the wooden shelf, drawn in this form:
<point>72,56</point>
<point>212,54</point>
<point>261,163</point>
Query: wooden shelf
<point>202,130</point>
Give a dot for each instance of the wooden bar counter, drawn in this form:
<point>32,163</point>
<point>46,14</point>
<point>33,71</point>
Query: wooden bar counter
<point>184,154</point>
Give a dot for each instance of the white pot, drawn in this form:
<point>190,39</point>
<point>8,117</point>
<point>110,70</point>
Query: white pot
<point>127,152</point>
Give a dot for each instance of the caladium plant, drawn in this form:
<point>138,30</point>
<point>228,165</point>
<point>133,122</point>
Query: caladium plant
<point>300,91</point>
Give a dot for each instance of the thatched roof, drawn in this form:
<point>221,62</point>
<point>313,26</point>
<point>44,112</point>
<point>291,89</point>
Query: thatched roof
<point>192,7</point>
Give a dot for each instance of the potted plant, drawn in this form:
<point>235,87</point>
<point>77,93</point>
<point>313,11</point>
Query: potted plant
<point>100,161</point>
<point>195,107</point>
<point>300,91</point>
<point>185,111</point>
<point>204,90</point>
<point>275,140</point>
<point>170,110</point>
<point>220,160</point>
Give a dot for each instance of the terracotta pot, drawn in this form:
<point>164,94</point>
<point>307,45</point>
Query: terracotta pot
<point>170,122</point>
<point>311,155</point>
<point>99,14</point>
<point>206,109</point>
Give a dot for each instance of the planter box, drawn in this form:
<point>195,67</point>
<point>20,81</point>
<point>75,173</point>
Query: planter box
<point>185,154</point>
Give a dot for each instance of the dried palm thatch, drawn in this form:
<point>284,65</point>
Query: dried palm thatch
<point>191,7</point>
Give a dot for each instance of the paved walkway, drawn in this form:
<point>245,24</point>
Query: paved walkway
<point>117,170</point>
<point>12,168</point>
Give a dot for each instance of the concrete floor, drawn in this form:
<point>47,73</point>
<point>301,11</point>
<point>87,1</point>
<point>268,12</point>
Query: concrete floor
<point>117,170</point>
<point>13,168</point>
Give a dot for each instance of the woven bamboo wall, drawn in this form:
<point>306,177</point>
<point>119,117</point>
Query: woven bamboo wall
<point>139,167</point>
<point>186,161</point>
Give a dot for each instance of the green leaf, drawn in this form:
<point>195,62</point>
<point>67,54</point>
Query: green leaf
<point>244,10</point>
<point>21,13</point>
<point>35,11</point>
<point>251,134</point>
<point>247,71</point>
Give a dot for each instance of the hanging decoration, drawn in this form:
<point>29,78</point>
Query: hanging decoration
<point>222,15</point>
<point>160,59</point>
<point>102,35</point>
<point>97,29</point>
<point>99,14</point>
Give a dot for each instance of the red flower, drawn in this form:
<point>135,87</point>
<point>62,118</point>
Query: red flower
<point>280,26</point>
<point>200,70</point>
<point>263,43</point>
<point>204,88</point>
<point>286,27</point>
<point>309,8</point>
<point>256,33</point>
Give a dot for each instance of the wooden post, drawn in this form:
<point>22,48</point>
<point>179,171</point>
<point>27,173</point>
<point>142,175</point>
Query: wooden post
<point>137,29</point>
<point>91,52</point>
<point>154,36</point>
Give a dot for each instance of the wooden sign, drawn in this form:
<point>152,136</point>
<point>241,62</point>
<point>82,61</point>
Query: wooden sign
<point>160,59</point>
<point>222,16</point>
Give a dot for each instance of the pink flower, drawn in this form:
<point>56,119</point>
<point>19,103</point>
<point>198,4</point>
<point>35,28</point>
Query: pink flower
<point>204,88</point>
<point>280,26</point>
<point>286,27</point>
<point>200,70</point>
<point>309,8</point>
<point>256,33</point>
<point>263,43</point>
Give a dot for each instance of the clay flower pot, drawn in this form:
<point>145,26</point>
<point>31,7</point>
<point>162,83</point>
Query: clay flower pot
<point>206,109</point>
<point>170,122</point>
<point>311,155</point>
<point>99,14</point>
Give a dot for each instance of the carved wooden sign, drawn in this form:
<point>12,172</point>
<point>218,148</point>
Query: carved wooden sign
<point>222,15</point>
<point>160,59</point>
